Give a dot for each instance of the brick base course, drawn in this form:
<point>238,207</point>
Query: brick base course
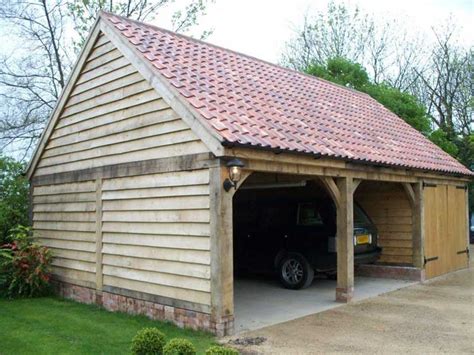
<point>391,272</point>
<point>117,303</point>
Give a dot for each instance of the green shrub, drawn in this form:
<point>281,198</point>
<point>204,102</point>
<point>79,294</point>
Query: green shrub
<point>148,341</point>
<point>13,196</point>
<point>179,346</point>
<point>24,266</point>
<point>221,350</point>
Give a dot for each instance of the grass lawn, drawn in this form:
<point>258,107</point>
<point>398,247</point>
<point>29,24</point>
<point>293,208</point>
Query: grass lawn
<point>55,326</point>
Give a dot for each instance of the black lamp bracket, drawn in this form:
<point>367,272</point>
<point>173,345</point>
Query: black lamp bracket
<point>228,185</point>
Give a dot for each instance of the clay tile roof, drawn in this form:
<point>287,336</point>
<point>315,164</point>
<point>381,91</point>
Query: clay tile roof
<point>254,103</point>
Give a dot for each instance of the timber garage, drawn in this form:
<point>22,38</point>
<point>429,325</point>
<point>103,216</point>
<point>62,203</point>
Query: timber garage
<point>156,141</point>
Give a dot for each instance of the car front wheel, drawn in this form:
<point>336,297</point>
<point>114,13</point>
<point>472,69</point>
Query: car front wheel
<point>295,272</point>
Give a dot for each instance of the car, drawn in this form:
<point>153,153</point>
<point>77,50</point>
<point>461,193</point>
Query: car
<point>296,238</point>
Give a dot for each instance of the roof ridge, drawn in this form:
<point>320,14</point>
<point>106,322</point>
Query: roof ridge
<point>290,70</point>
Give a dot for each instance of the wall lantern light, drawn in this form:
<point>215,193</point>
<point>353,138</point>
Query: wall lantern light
<point>235,173</point>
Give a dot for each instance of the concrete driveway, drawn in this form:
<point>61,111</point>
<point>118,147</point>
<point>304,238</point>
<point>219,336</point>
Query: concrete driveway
<point>430,318</point>
<point>263,302</point>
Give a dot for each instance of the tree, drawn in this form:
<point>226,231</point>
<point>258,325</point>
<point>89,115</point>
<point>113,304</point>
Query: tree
<point>341,71</point>
<point>383,47</point>
<point>48,34</point>
<point>13,196</point>
<point>32,77</point>
<point>344,72</point>
<point>84,13</point>
<point>337,33</point>
<point>445,86</point>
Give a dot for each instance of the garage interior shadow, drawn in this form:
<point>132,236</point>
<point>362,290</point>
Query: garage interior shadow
<point>272,203</point>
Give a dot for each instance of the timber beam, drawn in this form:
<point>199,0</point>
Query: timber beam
<point>299,164</point>
<point>153,166</point>
<point>410,193</point>
<point>333,189</point>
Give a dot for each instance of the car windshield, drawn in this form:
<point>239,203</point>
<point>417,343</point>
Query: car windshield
<point>360,218</point>
<point>309,214</point>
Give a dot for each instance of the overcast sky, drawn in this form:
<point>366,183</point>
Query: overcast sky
<point>261,27</point>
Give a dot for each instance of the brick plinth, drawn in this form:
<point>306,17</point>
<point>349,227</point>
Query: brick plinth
<point>391,272</point>
<point>344,295</point>
<point>118,303</point>
<point>76,293</point>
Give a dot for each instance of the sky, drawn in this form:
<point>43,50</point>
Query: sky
<point>261,27</point>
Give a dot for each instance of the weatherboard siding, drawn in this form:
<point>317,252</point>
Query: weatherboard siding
<point>64,221</point>
<point>390,210</point>
<point>114,116</point>
<point>145,233</point>
<point>156,234</point>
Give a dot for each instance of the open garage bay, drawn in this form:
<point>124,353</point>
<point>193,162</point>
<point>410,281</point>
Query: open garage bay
<point>285,246</point>
<point>260,302</point>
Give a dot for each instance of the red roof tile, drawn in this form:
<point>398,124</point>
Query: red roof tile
<point>251,102</point>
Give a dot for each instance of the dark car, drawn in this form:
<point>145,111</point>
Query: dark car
<point>296,238</point>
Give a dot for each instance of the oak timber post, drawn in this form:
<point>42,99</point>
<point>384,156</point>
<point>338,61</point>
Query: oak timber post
<point>98,240</point>
<point>418,222</point>
<point>222,276</point>
<point>345,240</point>
<point>31,190</point>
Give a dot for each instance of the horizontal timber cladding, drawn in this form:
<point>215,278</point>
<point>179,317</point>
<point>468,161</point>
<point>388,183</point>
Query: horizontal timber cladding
<point>389,208</point>
<point>156,235</point>
<point>64,220</point>
<point>114,116</point>
<point>121,191</point>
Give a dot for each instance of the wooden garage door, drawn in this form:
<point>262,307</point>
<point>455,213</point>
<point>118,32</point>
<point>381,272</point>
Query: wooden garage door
<point>445,229</point>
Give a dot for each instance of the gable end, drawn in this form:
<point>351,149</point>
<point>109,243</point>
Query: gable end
<point>109,113</point>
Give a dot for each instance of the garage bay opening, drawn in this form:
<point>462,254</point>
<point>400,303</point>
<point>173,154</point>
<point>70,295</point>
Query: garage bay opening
<point>284,244</point>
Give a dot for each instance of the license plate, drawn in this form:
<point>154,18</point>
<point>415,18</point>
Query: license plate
<point>363,239</point>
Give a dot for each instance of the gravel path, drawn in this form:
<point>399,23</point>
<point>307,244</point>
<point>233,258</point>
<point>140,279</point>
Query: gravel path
<point>430,318</point>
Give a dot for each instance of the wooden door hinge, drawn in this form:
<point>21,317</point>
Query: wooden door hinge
<point>464,251</point>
